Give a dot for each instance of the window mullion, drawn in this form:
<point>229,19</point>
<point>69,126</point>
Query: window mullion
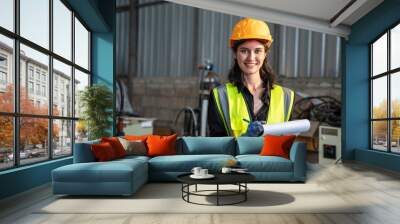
<point>73,82</point>
<point>50,81</point>
<point>16,84</point>
<point>389,106</point>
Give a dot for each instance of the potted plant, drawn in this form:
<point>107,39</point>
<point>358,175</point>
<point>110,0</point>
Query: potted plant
<point>96,104</point>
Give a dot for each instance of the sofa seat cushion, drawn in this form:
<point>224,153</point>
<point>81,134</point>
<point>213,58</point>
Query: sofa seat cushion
<point>257,163</point>
<point>185,163</point>
<point>112,171</point>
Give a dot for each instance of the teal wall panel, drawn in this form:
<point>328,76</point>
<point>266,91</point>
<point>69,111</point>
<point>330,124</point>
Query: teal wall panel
<point>24,178</point>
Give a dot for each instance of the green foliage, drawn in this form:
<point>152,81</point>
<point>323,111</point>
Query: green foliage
<point>96,104</point>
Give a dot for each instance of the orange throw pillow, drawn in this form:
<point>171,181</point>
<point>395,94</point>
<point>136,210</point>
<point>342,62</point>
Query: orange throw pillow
<point>277,145</point>
<point>116,145</point>
<point>103,152</point>
<point>136,137</point>
<point>161,145</point>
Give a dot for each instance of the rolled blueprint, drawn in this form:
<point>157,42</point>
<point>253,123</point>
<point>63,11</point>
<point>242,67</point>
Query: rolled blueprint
<point>291,127</point>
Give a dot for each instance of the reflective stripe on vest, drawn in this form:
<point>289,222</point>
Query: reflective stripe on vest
<point>233,109</point>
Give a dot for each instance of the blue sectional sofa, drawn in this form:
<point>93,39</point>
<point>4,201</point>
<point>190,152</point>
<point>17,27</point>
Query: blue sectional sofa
<point>125,176</point>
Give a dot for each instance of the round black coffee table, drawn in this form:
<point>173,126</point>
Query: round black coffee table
<point>238,179</point>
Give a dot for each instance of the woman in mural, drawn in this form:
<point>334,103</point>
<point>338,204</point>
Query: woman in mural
<point>251,97</point>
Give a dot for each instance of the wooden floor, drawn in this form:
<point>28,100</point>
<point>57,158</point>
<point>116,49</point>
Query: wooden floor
<point>377,188</point>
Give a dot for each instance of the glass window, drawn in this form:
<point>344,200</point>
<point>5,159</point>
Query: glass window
<point>379,133</point>
<point>6,73</point>
<point>33,139</point>
<point>395,47</point>
<point>62,72</point>
<point>34,80</point>
<point>3,61</point>
<point>62,137</point>
<point>7,14</point>
<point>395,95</point>
<point>62,29</point>
<point>81,131</point>
<point>81,81</point>
<point>40,62</point>
<point>35,21</point>
<point>81,45</point>
<point>37,89</point>
<point>395,136</point>
<point>385,125</point>
<point>6,142</point>
<point>379,56</point>
<point>379,98</point>
<point>30,72</point>
<point>30,87</point>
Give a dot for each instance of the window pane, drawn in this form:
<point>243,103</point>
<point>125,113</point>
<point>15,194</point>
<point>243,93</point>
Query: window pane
<point>62,138</point>
<point>33,139</point>
<point>395,47</point>
<point>62,29</point>
<point>35,21</point>
<point>34,97</point>
<point>6,142</point>
<point>6,74</point>
<point>7,14</point>
<point>395,136</point>
<point>81,81</point>
<point>81,45</point>
<point>62,89</point>
<point>395,94</point>
<point>379,55</point>
<point>81,131</point>
<point>379,135</point>
<point>379,97</point>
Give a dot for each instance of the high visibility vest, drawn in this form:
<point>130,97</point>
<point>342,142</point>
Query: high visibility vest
<point>234,111</point>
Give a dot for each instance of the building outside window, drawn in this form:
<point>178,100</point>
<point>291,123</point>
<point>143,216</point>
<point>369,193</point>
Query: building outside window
<point>384,92</point>
<point>3,71</point>
<point>30,87</point>
<point>59,133</point>
<point>43,90</point>
<point>30,72</point>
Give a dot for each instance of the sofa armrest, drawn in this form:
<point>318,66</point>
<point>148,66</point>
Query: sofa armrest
<point>83,152</point>
<point>298,155</point>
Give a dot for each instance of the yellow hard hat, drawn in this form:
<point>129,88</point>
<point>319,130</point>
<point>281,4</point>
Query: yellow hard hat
<point>249,28</point>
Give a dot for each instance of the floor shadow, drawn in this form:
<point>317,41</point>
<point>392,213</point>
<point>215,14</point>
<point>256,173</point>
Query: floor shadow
<point>255,198</point>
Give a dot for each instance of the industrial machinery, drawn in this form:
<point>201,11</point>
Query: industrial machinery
<point>195,119</point>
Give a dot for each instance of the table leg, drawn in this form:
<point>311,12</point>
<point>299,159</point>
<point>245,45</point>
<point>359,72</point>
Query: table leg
<point>217,194</point>
<point>245,191</point>
<point>196,188</point>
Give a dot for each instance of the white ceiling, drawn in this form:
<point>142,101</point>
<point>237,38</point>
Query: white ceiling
<point>316,15</point>
<point>320,9</point>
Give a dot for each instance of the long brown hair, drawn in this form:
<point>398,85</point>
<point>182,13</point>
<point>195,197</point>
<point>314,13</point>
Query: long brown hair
<point>266,73</point>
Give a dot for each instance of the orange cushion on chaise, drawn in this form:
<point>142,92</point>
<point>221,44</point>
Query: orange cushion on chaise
<point>103,152</point>
<point>116,145</point>
<point>277,145</point>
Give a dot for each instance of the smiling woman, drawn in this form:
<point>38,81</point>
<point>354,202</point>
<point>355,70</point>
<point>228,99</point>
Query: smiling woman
<point>251,96</point>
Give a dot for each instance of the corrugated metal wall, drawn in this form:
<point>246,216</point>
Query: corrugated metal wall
<point>173,39</point>
<point>122,37</point>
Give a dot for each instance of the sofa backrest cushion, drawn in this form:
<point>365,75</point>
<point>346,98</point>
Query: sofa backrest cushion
<point>249,145</point>
<point>206,145</point>
<point>83,153</point>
